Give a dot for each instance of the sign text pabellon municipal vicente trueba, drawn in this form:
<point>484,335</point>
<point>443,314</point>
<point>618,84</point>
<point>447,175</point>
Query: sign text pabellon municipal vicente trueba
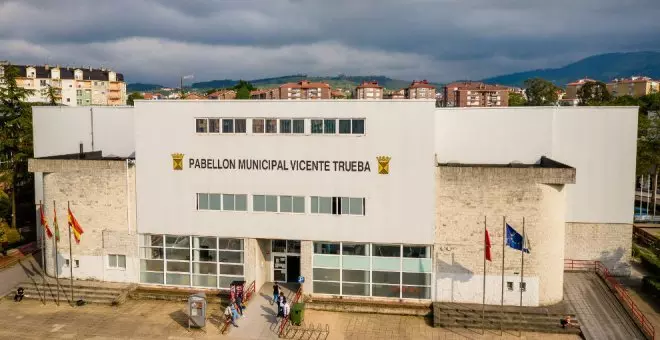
<point>278,165</point>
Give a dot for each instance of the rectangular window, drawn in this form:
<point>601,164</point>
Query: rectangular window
<point>286,204</point>
<point>78,93</point>
<point>271,203</point>
<point>227,126</point>
<point>383,250</point>
<point>214,201</point>
<point>271,125</point>
<point>326,248</point>
<point>257,126</point>
<point>357,126</point>
<point>285,125</point>
<point>355,249</point>
<point>422,252</point>
<point>294,204</point>
<point>344,126</point>
<point>258,203</point>
<point>298,126</point>
<point>42,82</point>
<point>240,125</point>
<point>346,206</point>
<point>202,201</point>
<point>214,125</point>
<point>201,125</point>
<point>117,261</point>
<point>317,126</point>
<point>298,204</point>
<point>228,202</point>
<point>329,126</point>
<point>241,202</point>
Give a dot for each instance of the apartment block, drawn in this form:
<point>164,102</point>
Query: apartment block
<point>420,89</point>
<point>633,86</point>
<point>73,86</point>
<point>474,94</point>
<point>222,94</point>
<point>273,93</point>
<point>396,94</point>
<point>573,88</point>
<point>368,90</point>
<point>304,90</point>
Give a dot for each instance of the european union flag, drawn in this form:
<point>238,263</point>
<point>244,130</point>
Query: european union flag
<point>515,240</point>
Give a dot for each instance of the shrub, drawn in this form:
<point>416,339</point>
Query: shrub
<point>651,285</point>
<point>649,260</point>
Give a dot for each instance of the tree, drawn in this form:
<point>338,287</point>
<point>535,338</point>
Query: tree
<point>626,100</point>
<point>243,83</point>
<point>648,139</point>
<point>243,93</point>
<point>593,93</point>
<point>540,92</point>
<point>132,97</point>
<point>517,99</point>
<point>53,95</point>
<point>15,135</point>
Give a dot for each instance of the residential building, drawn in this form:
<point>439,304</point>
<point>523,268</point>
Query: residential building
<point>337,94</point>
<point>633,86</point>
<point>368,90</point>
<point>304,90</point>
<point>573,88</point>
<point>362,199</point>
<point>74,86</point>
<point>474,94</point>
<point>265,94</point>
<point>420,89</point>
<point>193,96</point>
<point>222,94</point>
<point>396,94</point>
<point>152,96</point>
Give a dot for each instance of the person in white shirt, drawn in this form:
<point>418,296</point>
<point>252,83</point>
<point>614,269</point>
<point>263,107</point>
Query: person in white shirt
<point>287,309</point>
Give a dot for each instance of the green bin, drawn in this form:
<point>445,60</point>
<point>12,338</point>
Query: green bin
<point>297,313</point>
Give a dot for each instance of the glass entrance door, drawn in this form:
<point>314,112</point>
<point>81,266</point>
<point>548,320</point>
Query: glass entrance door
<point>279,268</point>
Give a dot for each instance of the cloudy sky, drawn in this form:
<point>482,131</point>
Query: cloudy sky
<point>160,40</point>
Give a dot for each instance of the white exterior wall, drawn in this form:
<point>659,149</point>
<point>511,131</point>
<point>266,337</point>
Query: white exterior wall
<point>402,200</point>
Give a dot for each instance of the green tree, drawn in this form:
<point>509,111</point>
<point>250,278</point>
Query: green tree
<point>243,93</point>
<point>132,97</point>
<point>593,93</point>
<point>53,95</point>
<point>540,92</point>
<point>15,136</point>
<point>517,99</point>
<point>648,139</point>
<point>626,100</point>
<point>243,83</point>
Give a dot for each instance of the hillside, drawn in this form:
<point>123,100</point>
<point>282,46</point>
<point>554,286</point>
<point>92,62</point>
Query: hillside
<point>139,87</point>
<point>604,67</point>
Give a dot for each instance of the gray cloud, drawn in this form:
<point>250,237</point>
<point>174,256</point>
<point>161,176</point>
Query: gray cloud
<point>157,40</point>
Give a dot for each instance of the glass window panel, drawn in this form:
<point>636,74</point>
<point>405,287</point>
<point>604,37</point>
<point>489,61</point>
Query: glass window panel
<point>259,203</point>
<point>205,242</point>
<point>241,202</point>
<point>298,126</point>
<point>229,269</point>
<point>326,248</point>
<point>279,246</point>
<point>325,205</point>
<point>416,251</point>
<point>202,201</point>
<point>177,241</point>
<point>329,126</point>
<point>214,125</point>
<point>355,249</point>
<point>386,250</point>
<point>152,278</point>
<point>240,125</point>
<point>419,279</point>
<point>178,279</point>
<point>386,264</point>
<point>358,126</point>
<point>326,261</point>
<point>214,201</point>
<point>201,125</point>
<point>151,253</point>
<point>317,126</point>
<point>271,203</point>
<point>228,202</point>
<point>257,126</point>
<point>355,276</point>
<point>355,289</point>
<point>112,261</point>
<point>355,262</point>
<point>356,206</point>
<point>412,292</point>
<point>344,126</point>
<point>413,265</point>
<point>271,125</point>
<point>121,261</point>
<point>315,204</point>
<point>178,254</point>
<point>323,274</point>
<point>298,204</point>
<point>152,240</point>
<point>205,281</point>
<point>385,290</point>
<point>230,256</point>
<point>230,243</point>
<point>385,277</point>
<point>225,281</point>
<point>285,125</point>
<point>227,126</point>
<point>205,255</point>
<point>326,287</point>
<point>205,268</point>
<point>345,205</point>
<point>293,246</point>
<point>286,204</point>
<point>152,265</point>
<point>183,267</point>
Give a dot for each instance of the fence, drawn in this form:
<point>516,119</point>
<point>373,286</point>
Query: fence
<point>285,321</point>
<point>619,292</point>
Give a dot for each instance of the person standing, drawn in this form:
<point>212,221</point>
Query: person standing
<point>229,314</point>
<point>276,293</point>
<point>287,309</point>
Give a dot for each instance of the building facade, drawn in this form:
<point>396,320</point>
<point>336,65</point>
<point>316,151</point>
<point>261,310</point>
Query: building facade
<point>420,89</point>
<point>72,86</point>
<point>573,88</point>
<point>304,90</point>
<point>364,199</point>
<point>633,86</point>
<point>474,94</point>
<point>368,90</point>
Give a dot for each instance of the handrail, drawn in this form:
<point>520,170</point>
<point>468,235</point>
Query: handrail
<point>619,291</point>
<point>249,291</point>
<point>285,321</point>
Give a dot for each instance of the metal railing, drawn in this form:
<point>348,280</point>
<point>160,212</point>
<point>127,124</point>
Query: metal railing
<point>619,292</point>
<point>285,321</point>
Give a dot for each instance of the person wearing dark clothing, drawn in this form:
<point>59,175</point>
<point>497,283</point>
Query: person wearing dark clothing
<point>276,293</point>
<point>565,322</point>
<point>18,297</point>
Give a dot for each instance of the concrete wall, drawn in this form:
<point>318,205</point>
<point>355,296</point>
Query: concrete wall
<point>607,243</point>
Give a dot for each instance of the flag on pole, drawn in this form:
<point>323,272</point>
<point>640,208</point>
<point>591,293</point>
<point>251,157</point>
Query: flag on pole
<point>487,247</point>
<point>57,228</point>
<point>74,226</point>
<point>44,223</point>
<point>516,241</point>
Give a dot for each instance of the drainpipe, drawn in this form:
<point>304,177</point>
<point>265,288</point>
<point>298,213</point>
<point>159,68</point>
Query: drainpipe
<point>91,116</point>
<point>128,199</point>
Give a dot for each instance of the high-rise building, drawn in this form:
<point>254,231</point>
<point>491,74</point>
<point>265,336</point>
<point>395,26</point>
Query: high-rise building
<point>474,94</point>
<point>368,90</point>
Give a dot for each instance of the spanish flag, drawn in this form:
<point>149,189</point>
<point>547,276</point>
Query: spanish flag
<point>57,229</point>
<point>44,223</point>
<point>74,226</point>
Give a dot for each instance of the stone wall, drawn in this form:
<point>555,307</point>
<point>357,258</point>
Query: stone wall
<point>467,195</point>
<point>306,248</point>
<point>609,243</point>
<point>102,198</point>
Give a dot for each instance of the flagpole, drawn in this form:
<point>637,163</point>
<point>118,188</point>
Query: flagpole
<point>57,266</point>
<point>483,302</point>
<point>502,300</point>
<point>522,263</point>
<point>70,249</point>
<point>43,247</point>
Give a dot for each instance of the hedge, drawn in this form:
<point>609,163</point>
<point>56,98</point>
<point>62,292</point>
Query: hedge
<point>649,260</point>
<point>651,285</point>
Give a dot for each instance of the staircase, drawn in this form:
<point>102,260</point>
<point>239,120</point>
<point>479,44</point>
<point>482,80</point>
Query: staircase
<point>46,290</point>
<point>176,294</point>
<point>529,319</point>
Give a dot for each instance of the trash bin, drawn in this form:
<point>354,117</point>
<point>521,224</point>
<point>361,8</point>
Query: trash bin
<point>297,313</point>
<point>197,310</point>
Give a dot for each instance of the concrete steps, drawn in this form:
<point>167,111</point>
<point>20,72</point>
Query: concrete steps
<point>335,304</point>
<point>46,289</point>
<point>176,294</point>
